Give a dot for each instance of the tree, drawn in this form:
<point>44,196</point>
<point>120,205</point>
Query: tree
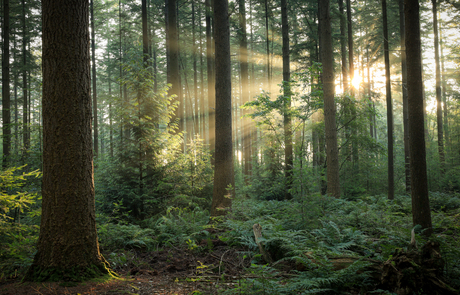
<point>287,100</point>
<point>246,129</point>
<point>333,183</point>
<point>386,53</point>
<point>172,50</point>
<point>67,247</point>
<point>223,171</point>
<point>6,113</point>
<point>404,94</point>
<point>421,213</point>
<point>94,80</point>
<point>438,86</point>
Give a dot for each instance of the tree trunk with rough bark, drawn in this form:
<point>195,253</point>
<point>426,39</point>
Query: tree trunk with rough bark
<point>223,171</point>
<point>332,154</point>
<point>68,248</point>
<point>421,213</point>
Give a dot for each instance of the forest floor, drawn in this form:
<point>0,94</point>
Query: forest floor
<point>169,271</point>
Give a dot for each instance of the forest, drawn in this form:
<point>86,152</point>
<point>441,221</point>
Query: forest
<point>230,147</point>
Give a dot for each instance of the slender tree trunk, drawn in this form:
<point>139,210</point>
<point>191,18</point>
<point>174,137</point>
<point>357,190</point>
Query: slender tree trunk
<point>438,88</point>
<point>287,101</point>
<point>6,112</point>
<point>404,95</point>
<point>246,130</point>
<point>223,171</point>
<point>267,41</point>
<point>444,96</point>
<point>93,76</point>
<point>389,104</point>
<point>211,84</point>
<point>421,213</point>
<point>67,245</point>
<point>196,118</point>
<point>173,58</point>
<point>343,47</point>
<point>351,69</point>
<point>333,183</point>
<point>25,105</point>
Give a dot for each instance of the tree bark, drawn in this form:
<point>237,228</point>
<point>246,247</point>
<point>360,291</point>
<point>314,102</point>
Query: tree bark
<point>333,182</point>
<point>246,130</point>
<point>67,247</point>
<point>93,76</point>
<point>287,102</point>
<point>391,193</point>
<point>343,47</point>
<point>173,58</point>
<point>25,94</point>
<point>211,82</point>
<point>421,213</point>
<point>6,112</point>
<point>223,171</point>
<point>438,88</point>
<point>404,95</point>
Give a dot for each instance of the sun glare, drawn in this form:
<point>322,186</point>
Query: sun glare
<point>356,81</point>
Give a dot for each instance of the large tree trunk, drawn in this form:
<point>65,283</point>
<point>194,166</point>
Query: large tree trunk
<point>404,95</point>
<point>6,113</point>
<point>391,190</point>
<point>333,183</point>
<point>223,171</point>
<point>438,87</point>
<point>287,101</point>
<point>67,245</point>
<point>421,213</point>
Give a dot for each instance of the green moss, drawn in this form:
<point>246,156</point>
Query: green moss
<point>74,274</point>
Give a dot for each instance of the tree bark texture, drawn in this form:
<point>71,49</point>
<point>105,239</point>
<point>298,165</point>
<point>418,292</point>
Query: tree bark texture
<point>246,129</point>
<point>404,95</point>
<point>94,80</point>
<point>386,52</point>
<point>223,171</point>
<point>6,113</point>
<point>173,57</point>
<point>438,87</point>
<point>288,158</point>
<point>211,80</point>
<point>421,213</point>
<point>67,244</point>
<point>333,183</point>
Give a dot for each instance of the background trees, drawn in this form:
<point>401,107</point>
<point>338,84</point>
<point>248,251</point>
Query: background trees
<point>155,142</point>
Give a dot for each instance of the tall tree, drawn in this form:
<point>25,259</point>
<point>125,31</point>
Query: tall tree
<point>404,94</point>
<point>386,53</point>
<point>343,46</point>
<point>211,77</point>
<point>421,213</point>
<point>67,244</point>
<point>94,80</point>
<point>287,101</point>
<point>246,130</point>
<point>6,112</point>
<point>267,44</point>
<point>333,183</point>
<point>172,39</point>
<point>351,69</point>
<point>438,86</point>
<point>25,92</point>
<point>223,171</point>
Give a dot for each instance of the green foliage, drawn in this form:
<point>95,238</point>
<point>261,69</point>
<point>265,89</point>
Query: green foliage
<point>113,237</point>
<point>11,196</point>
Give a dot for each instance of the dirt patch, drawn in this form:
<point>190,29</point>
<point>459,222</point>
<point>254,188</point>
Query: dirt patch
<point>169,271</point>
